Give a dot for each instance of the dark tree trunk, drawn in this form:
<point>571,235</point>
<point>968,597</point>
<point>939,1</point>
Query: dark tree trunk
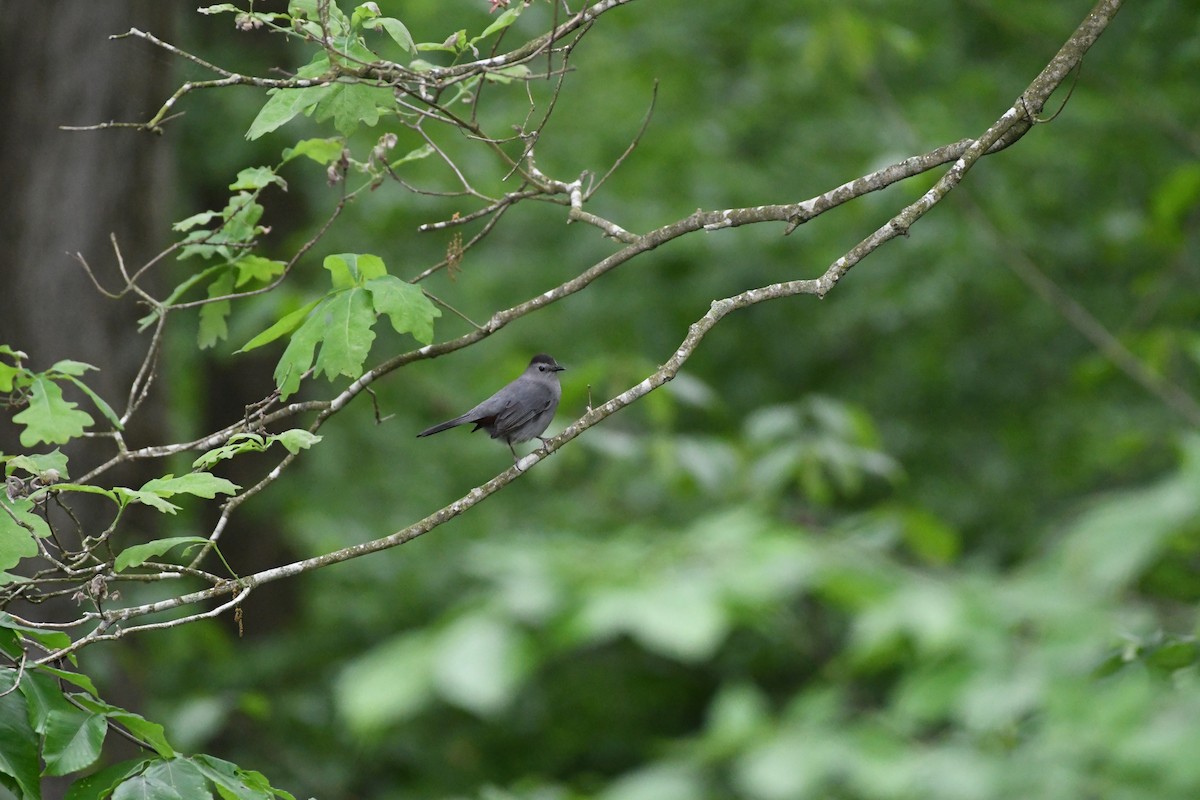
<point>66,192</point>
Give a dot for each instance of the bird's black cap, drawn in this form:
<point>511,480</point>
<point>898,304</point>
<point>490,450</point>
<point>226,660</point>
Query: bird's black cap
<point>542,358</point>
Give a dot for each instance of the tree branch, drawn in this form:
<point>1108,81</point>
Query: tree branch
<point>1007,129</point>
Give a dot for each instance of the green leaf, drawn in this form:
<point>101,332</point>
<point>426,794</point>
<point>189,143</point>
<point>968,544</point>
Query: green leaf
<point>346,321</point>
<point>340,273</point>
<point>298,355</point>
<point>142,787</point>
<point>678,618</point>
<point>100,784</point>
<point>39,463</point>
<point>352,104</point>
<point>480,663</point>
<point>390,683</point>
<point>453,44</point>
<point>257,268</point>
<point>241,222</point>
<point>17,542</point>
<point>125,496</point>
<point>235,782</point>
<point>341,324</point>
<point>179,291</point>
<point>303,8</point>
<point>783,766</point>
<point>322,151</point>
<point>929,537</point>
<point>82,488</point>
<point>296,440</point>
<point>43,695</point>
<point>736,716</point>
<point>395,29</point>
<point>1174,200</point>
<point>1113,541</point>
<point>50,418</point>
<point>424,151</point>
<point>508,74</point>
<point>203,218</point>
<point>253,178</point>
<point>201,484</point>
<point>18,741</point>
<point>658,781</point>
<point>53,640</point>
<point>149,732</point>
<point>182,775</point>
<point>20,512</point>
<point>1174,655</point>
<point>141,553</point>
<point>238,443</point>
<point>364,13</point>
<point>10,643</point>
<point>10,376</point>
<point>406,305</point>
<point>508,17</point>
<point>300,9</point>
<point>104,407</point>
<point>284,326</point>
<point>73,740</point>
<point>68,367</point>
<point>353,269</point>
<point>283,105</point>
<point>155,493</point>
<point>76,678</point>
<point>213,316</point>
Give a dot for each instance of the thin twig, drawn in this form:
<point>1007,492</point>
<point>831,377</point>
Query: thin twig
<point>1008,128</point>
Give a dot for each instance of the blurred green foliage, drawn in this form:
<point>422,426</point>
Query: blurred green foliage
<point>917,540</point>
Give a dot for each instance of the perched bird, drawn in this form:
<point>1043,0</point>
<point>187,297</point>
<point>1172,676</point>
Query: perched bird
<point>518,412</point>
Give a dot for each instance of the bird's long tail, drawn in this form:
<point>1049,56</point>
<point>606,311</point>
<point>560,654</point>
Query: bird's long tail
<point>442,426</point>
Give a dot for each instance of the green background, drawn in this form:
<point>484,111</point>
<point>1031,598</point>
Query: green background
<point>917,539</point>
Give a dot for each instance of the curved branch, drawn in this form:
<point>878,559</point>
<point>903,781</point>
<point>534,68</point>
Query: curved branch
<point>1008,128</point>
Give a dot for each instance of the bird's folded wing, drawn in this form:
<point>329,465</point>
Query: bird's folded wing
<point>514,415</point>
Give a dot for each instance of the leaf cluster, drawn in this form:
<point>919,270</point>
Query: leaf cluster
<point>54,723</point>
<point>764,583</point>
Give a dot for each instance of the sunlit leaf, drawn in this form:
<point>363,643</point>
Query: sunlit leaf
<point>405,305</point>
<point>346,319</point>
<point>296,440</point>
<point>253,178</point>
<point>322,151</point>
<point>49,418</point>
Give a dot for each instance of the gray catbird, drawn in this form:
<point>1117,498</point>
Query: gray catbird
<point>519,411</point>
